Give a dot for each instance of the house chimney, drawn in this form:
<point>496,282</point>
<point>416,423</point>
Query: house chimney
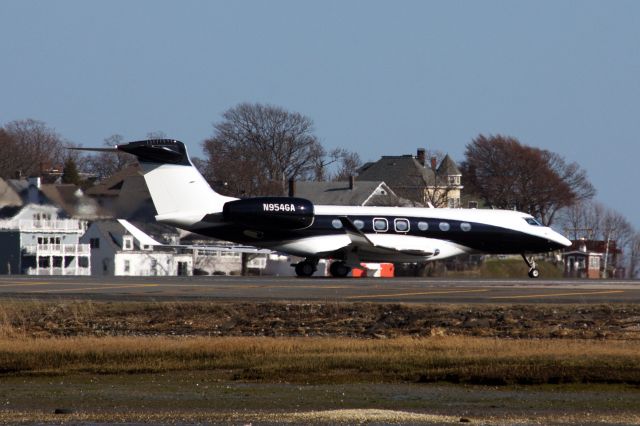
<point>421,156</point>
<point>434,163</point>
<point>292,187</point>
<point>34,190</point>
<point>352,182</point>
<point>34,181</point>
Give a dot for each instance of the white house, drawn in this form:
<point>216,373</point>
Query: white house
<point>36,237</point>
<point>120,248</point>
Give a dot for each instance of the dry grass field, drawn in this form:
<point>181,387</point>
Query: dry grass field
<point>275,363</point>
<point>458,359</point>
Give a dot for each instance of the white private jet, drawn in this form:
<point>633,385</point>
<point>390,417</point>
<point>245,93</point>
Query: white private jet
<point>348,234</point>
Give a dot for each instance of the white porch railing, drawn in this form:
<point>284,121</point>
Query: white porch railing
<point>58,249</point>
<point>54,225</point>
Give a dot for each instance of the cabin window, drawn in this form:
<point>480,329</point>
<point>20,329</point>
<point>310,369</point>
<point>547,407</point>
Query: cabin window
<point>532,221</point>
<point>401,225</point>
<point>423,226</point>
<point>444,226</point>
<point>466,227</point>
<point>336,223</point>
<point>380,224</point>
<point>358,223</point>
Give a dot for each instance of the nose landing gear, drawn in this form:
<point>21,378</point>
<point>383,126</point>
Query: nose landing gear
<point>533,269</point>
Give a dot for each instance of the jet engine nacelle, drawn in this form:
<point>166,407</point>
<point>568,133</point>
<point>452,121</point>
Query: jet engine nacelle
<point>270,213</point>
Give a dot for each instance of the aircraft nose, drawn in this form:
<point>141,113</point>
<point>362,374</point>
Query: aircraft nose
<point>561,240</point>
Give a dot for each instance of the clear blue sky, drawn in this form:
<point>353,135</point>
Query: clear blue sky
<point>376,77</point>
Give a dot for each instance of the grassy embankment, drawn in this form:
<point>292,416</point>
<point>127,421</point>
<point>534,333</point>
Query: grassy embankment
<point>495,268</point>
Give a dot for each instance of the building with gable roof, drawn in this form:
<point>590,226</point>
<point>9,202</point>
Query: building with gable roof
<point>118,247</point>
<point>347,193</point>
<point>37,236</point>
<point>412,178</point>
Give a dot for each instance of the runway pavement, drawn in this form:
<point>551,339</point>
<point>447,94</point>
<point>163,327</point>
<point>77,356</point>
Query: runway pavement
<point>256,289</point>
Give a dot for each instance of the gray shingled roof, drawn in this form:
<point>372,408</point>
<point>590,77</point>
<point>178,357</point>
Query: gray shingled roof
<point>448,167</point>
<point>112,185</point>
<point>338,192</point>
<point>129,190</point>
<point>110,229</point>
<point>73,201</point>
<point>402,171</point>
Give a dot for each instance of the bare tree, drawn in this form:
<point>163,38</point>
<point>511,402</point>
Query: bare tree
<point>348,164</point>
<point>257,148</point>
<point>634,256</point>
<point>510,175</point>
<point>593,221</point>
<point>156,134</point>
<point>30,148</point>
<point>105,164</point>
<point>10,151</point>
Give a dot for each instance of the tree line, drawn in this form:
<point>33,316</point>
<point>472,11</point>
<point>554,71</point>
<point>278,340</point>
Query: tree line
<point>255,149</point>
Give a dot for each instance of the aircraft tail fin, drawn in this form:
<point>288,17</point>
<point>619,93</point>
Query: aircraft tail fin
<point>179,192</point>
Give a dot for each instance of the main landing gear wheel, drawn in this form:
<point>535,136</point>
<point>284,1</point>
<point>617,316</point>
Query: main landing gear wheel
<point>533,269</point>
<point>306,268</point>
<point>339,269</point>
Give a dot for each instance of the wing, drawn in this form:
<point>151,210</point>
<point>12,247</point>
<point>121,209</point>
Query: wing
<point>361,242</point>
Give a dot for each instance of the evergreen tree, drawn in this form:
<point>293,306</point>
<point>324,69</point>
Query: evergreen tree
<point>70,172</point>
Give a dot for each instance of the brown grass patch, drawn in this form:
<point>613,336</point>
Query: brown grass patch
<point>66,318</point>
<point>330,360</point>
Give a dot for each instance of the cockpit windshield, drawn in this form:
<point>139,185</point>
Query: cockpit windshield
<point>532,221</point>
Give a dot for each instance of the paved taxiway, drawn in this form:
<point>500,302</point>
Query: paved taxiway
<point>256,289</point>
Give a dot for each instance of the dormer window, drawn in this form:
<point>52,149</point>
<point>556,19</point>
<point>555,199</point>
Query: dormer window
<point>127,242</point>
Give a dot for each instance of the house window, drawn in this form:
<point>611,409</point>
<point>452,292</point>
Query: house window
<point>380,224</point>
<point>127,242</point>
<point>594,262</point>
<point>94,243</point>
<point>401,225</point>
<point>127,266</point>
